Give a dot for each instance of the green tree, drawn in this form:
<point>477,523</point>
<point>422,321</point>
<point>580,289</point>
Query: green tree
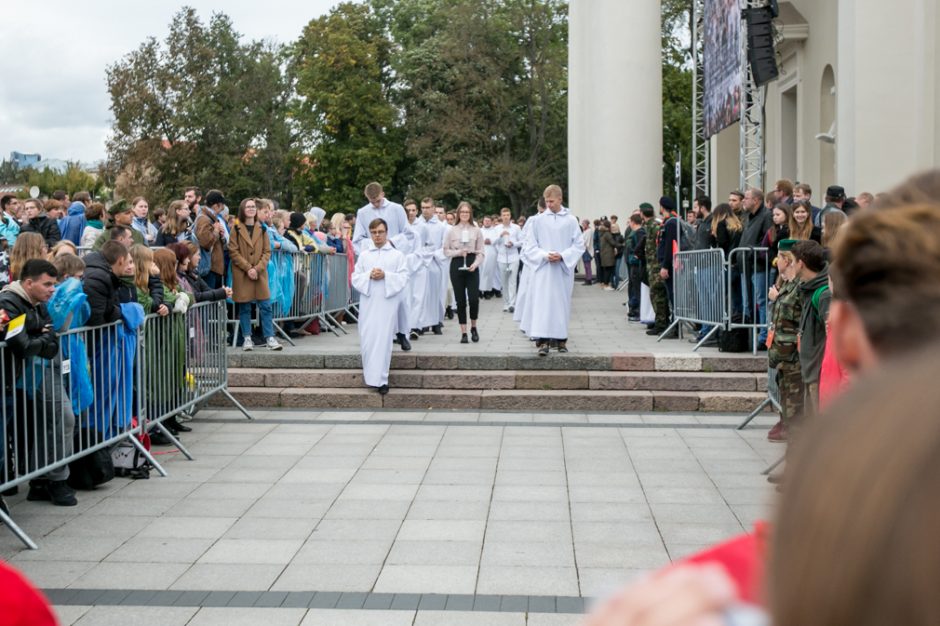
<point>344,75</point>
<point>72,180</point>
<point>203,108</point>
<point>677,95</point>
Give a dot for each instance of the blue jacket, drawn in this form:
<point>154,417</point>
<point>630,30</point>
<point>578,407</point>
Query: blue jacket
<point>9,230</point>
<point>73,225</point>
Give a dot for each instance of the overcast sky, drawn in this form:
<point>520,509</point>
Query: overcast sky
<point>53,54</point>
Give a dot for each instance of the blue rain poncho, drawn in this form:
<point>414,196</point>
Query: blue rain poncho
<point>113,358</point>
<point>69,309</point>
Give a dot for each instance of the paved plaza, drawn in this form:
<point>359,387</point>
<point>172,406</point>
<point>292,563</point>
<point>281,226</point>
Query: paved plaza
<point>403,517</point>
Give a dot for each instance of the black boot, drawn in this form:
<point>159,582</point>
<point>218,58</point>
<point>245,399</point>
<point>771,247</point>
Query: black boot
<point>463,338</point>
<point>175,427</point>
<point>60,493</point>
<point>437,330</point>
<point>449,313</point>
<point>473,335</point>
<point>403,342</point>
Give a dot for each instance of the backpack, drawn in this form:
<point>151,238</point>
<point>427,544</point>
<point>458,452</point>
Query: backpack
<point>205,256</point>
<point>734,340</point>
<point>686,235</point>
<point>128,460</point>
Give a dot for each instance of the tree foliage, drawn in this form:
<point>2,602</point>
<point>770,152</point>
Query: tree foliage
<point>201,108</point>
<point>677,95</point>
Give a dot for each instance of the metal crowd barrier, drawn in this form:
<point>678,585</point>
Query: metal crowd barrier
<point>700,289</point>
<point>56,411</point>
<point>84,400</point>
<point>751,268</point>
<point>320,289</point>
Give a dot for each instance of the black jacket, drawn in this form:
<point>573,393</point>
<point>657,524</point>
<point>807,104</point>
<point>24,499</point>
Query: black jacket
<point>201,290</point>
<point>101,286</point>
<point>46,227</point>
<point>755,225</point>
<point>703,233</point>
<point>36,337</point>
<point>813,325</point>
<point>724,238</point>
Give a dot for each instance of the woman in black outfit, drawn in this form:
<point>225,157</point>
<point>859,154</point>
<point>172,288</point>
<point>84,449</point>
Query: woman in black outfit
<point>464,246</point>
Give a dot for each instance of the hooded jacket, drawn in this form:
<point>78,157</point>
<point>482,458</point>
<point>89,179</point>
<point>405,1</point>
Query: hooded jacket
<point>73,225</point>
<point>32,339</point>
<point>9,229</point>
<point>813,325</point>
<point>101,285</point>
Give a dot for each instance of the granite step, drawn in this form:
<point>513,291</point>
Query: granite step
<point>527,400</point>
<point>533,380</point>
<point>627,362</point>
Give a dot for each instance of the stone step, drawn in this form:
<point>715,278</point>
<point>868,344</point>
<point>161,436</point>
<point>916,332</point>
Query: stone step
<point>633,362</point>
<point>504,380</point>
<point>526,400</point>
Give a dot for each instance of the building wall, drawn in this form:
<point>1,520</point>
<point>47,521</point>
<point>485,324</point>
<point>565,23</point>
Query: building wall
<point>885,64</point>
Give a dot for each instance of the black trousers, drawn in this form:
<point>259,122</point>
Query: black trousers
<point>466,284</point>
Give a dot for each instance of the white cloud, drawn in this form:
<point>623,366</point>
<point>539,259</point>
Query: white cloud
<point>53,96</point>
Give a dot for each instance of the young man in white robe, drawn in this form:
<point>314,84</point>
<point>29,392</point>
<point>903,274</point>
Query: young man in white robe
<point>522,293</point>
<point>381,278</point>
<point>552,249</point>
<point>417,283</point>
<point>399,234</point>
<point>431,313</point>
<point>506,248</point>
<point>489,272</point>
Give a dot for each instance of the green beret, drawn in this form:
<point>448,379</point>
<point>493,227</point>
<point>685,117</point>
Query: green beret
<point>118,207</point>
<point>786,245</point>
<point>646,205</point>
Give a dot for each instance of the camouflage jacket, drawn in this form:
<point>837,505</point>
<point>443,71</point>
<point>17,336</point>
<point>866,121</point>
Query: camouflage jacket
<point>652,241</point>
<point>787,311</point>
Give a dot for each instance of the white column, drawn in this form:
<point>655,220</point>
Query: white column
<point>615,119</point>
<point>887,84</point>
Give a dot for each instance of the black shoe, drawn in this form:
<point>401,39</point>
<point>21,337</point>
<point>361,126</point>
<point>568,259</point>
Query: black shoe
<point>463,338</point>
<point>449,313</point>
<point>38,491</point>
<point>12,491</point>
<point>437,330</point>
<point>60,493</point>
<point>512,309</point>
<point>175,427</point>
<point>403,342</point>
<point>474,335</point>
<point>762,347</point>
<point>651,326</point>
<point>587,283</point>
<point>655,331</point>
<point>383,390</point>
<point>672,334</point>
<point>421,331</point>
<point>543,349</point>
<point>562,346</point>
<point>414,335</point>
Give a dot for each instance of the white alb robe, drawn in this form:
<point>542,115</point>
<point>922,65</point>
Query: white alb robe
<point>489,274</point>
<point>431,312</point>
<point>407,243</point>
<point>548,309</point>
<point>395,218</point>
<point>522,293</point>
<point>378,308</point>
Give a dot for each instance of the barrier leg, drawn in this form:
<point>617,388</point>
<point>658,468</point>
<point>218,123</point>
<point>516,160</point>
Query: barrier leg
<point>774,466</point>
<point>331,326</point>
<point>336,324</point>
<point>16,530</point>
<point>675,324</point>
<point>176,442</point>
<point>707,336</point>
<point>755,413</point>
<point>150,459</point>
<point>238,405</point>
<point>285,336</point>
<point>354,316</point>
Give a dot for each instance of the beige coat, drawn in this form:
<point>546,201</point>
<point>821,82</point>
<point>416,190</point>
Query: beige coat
<point>210,240</point>
<point>248,252</point>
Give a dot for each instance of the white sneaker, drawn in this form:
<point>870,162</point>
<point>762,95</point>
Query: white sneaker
<point>248,346</point>
<point>273,344</point>
<point>609,289</point>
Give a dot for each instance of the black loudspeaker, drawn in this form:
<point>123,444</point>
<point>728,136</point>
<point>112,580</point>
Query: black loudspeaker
<point>760,44</point>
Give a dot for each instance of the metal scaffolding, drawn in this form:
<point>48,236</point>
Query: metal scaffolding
<point>701,147</point>
<point>752,114</point>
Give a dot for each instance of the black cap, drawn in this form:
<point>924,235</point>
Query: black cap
<point>835,191</point>
<point>214,197</point>
<point>667,203</point>
<point>297,220</point>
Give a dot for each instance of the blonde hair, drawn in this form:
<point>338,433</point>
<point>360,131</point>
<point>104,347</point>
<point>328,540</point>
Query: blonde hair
<point>143,261</point>
<point>553,191</point>
<point>68,265</point>
<point>337,222</point>
<point>28,246</point>
<point>66,245</point>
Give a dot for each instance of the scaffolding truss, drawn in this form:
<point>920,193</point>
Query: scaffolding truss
<point>701,147</point>
<point>752,114</point>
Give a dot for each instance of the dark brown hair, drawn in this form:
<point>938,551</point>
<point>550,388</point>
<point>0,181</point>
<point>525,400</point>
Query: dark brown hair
<point>856,538</point>
<point>886,263</point>
<point>166,262</point>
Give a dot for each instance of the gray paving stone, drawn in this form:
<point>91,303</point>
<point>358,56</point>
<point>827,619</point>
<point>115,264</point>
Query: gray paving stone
<point>351,600</point>
<point>459,602</point>
<point>514,604</point>
<point>272,599</point>
<point>381,601</point>
<point>161,598</point>
<point>432,602</point>
<point>565,604</point>
<point>405,601</point>
<point>218,598</point>
<point>245,598</point>
<point>302,599</point>
<point>541,604</point>
<point>486,603</point>
<point>191,598</point>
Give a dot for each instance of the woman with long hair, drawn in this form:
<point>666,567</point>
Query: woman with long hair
<point>464,246</point>
<point>801,222</point>
<point>832,222</point>
<point>28,246</point>
<point>781,216</point>
<point>177,225</point>
<point>726,229</point>
<point>192,282</point>
<point>250,251</point>
<point>141,222</point>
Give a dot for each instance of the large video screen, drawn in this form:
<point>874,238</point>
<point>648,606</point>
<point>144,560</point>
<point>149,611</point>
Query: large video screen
<point>722,64</point>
